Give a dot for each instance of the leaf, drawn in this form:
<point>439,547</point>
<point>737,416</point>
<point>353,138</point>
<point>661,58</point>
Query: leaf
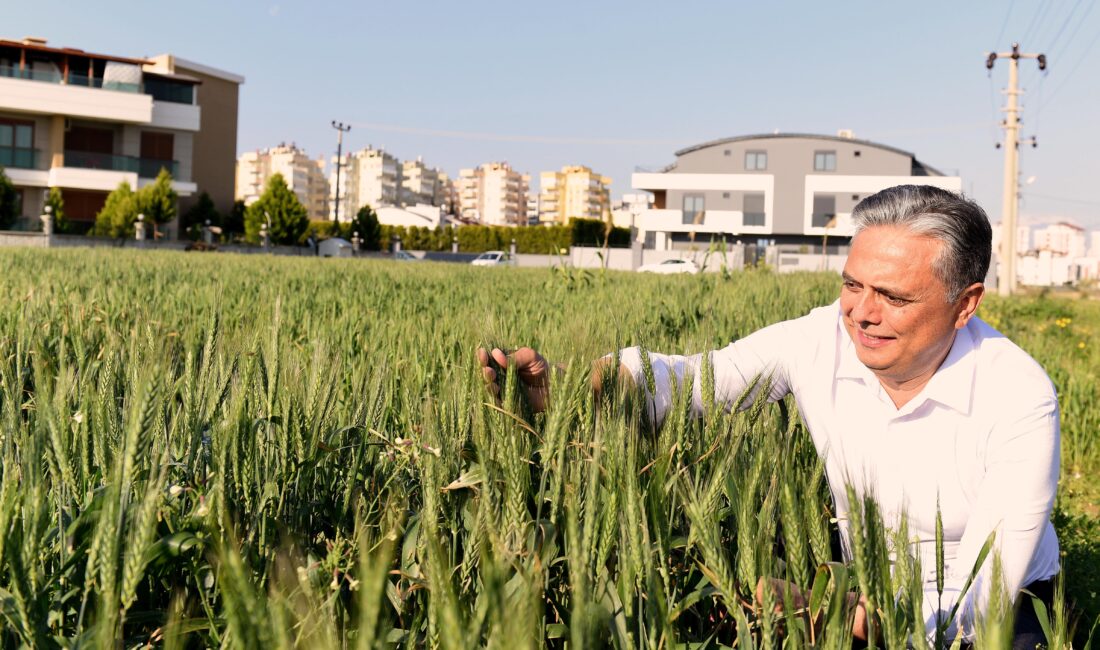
<point>472,477</point>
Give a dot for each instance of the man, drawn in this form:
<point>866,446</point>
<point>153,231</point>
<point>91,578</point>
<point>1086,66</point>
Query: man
<point>905,393</point>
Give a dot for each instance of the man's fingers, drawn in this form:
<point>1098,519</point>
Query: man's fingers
<point>482,357</point>
<point>489,374</point>
<point>500,357</point>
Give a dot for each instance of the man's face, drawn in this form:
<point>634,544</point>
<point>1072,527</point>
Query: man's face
<point>895,307</point>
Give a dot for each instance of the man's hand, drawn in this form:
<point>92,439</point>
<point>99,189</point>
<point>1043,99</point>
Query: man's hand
<point>531,368</point>
<point>798,599</point>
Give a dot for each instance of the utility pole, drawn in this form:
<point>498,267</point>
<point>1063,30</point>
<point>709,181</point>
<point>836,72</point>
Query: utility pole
<point>1006,281</point>
<point>341,129</point>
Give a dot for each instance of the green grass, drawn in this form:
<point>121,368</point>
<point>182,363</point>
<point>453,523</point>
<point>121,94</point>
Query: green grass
<point>203,450</point>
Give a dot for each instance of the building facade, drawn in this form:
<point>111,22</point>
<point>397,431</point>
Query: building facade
<point>1062,239</point>
<point>790,188</point>
<point>85,122</point>
<point>493,194</point>
<point>214,145</point>
<point>574,192</point>
<point>423,185</point>
<point>367,177</point>
<point>303,175</point>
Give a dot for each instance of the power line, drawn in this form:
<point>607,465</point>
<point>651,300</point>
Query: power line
<point>1040,13</point>
<point>1065,23</point>
<point>1066,78</point>
<point>501,137</point>
<point>1059,198</point>
<point>1004,23</point>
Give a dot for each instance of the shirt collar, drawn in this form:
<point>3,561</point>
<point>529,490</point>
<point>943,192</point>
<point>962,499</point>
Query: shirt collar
<point>952,385</point>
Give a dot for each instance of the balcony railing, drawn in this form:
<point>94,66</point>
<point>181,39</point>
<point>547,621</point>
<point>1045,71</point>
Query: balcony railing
<point>143,167</point>
<point>55,77</point>
<point>19,158</point>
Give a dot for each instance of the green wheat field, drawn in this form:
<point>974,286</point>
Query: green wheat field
<point>205,450</point>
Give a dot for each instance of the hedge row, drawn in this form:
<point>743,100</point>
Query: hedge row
<point>542,240</point>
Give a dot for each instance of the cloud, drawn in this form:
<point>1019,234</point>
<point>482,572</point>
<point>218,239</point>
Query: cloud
<point>274,10</point>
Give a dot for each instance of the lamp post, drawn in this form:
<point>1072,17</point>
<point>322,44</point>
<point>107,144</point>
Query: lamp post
<point>47,221</point>
<point>139,228</point>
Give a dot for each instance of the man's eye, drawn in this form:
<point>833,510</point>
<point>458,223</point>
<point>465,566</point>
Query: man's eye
<point>849,285</point>
<point>894,300</point>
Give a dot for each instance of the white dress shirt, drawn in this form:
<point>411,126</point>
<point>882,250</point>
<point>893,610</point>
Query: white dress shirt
<point>982,435</point>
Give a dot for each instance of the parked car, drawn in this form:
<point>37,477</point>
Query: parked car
<point>670,266</point>
<point>493,258</point>
<point>405,256</point>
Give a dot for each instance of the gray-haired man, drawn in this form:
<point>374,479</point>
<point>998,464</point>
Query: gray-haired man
<point>907,393</point>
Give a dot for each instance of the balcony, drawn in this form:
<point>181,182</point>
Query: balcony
<point>55,77</point>
<point>20,158</point>
<point>44,92</point>
<point>143,167</point>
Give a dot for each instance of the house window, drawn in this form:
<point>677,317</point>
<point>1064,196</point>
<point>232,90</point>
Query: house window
<point>156,153</point>
<point>824,213</point>
<point>19,203</point>
<point>756,161</point>
<point>725,195</point>
<point>726,152</point>
<point>694,205</point>
<point>753,209</point>
<point>824,161</point>
<point>17,144</point>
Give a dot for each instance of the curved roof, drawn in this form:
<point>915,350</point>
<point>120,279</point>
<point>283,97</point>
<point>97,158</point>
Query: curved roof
<point>812,136</point>
<point>917,165</point>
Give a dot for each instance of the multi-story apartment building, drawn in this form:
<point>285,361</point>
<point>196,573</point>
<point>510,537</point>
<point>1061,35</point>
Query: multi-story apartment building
<point>790,188</point>
<point>1062,239</point>
<point>1023,238</point>
<point>493,194</point>
<point>304,176</point>
<point>575,191</point>
<point>85,122</point>
<point>367,177</point>
<point>423,185</point>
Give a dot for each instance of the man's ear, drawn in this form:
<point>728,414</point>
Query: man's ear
<point>968,303</point>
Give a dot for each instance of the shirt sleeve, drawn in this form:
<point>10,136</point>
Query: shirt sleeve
<point>767,354</point>
<point>1015,500</point>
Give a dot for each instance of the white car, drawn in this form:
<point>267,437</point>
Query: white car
<point>492,258</point>
<point>670,266</point>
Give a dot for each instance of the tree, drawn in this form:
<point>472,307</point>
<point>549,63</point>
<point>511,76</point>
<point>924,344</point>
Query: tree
<point>56,204</point>
<point>119,212</point>
<point>288,217</point>
<point>194,219</point>
<point>234,221</point>
<point>158,201</point>
<point>9,202</point>
<point>370,231</point>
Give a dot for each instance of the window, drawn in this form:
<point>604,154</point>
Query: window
<point>824,161</point>
<point>694,205</point>
<point>756,161</point>
<point>753,209</point>
<point>19,203</point>
<point>167,90</point>
<point>725,195</point>
<point>17,144</point>
<point>726,152</point>
<point>156,153</point>
<point>824,211</point>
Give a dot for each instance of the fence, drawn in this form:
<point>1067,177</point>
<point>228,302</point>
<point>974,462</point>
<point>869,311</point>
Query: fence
<point>735,256</point>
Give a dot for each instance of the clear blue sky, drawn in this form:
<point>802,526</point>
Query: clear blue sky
<point>615,85</point>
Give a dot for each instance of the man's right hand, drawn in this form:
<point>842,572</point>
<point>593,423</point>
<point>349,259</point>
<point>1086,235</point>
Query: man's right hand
<point>531,368</point>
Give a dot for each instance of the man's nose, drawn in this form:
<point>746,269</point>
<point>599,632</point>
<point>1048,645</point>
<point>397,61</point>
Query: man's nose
<point>866,308</point>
